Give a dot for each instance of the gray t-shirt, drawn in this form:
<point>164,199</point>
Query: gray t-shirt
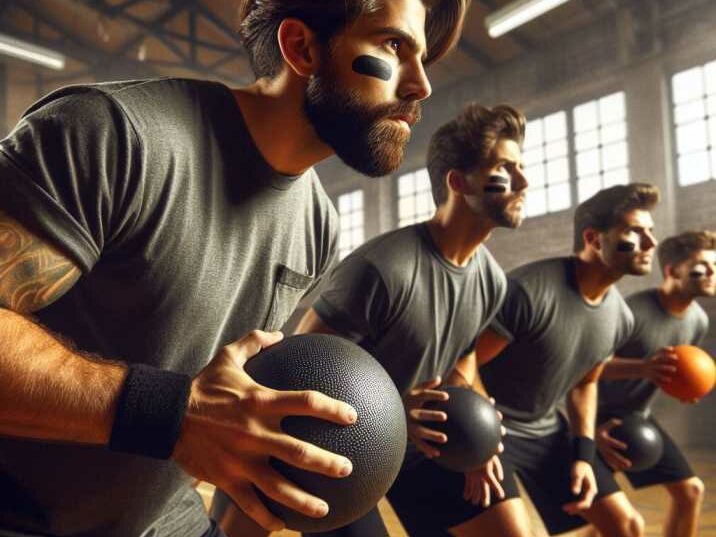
<point>416,312</point>
<point>654,329</point>
<point>186,239</point>
<point>555,337</point>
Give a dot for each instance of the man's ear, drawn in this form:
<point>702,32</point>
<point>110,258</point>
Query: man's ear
<point>457,182</point>
<point>299,47</point>
<point>592,237</point>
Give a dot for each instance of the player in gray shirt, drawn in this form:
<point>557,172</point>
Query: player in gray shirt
<point>664,317</point>
<point>153,224</point>
<point>561,321</point>
<point>417,298</point>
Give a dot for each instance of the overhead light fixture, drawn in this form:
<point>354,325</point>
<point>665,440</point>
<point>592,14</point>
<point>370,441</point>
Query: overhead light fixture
<point>31,53</point>
<point>518,13</point>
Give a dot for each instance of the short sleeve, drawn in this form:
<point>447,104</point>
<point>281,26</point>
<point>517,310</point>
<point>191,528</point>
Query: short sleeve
<point>355,301</point>
<point>499,294</point>
<point>702,331</point>
<point>515,317</point>
<point>70,171</point>
<point>625,329</point>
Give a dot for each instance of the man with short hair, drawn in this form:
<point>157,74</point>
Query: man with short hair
<point>561,321</point>
<point>417,297</point>
<point>664,317</point>
<point>153,224</point>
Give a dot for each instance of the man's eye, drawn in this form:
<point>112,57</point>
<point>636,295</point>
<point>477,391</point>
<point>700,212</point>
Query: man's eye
<point>394,44</point>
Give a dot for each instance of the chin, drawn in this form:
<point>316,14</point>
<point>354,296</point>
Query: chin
<point>640,270</point>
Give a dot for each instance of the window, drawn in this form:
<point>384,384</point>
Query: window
<point>546,161</point>
<point>415,198</point>
<point>694,103</point>
<point>569,157</point>
<point>350,211</point>
<point>600,144</point>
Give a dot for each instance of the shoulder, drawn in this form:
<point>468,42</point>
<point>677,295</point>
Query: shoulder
<point>541,278</point>
<point>699,313</point>
<point>491,270</point>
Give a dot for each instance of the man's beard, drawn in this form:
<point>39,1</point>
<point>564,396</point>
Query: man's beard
<point>361,135</point>
<point>502,213</point>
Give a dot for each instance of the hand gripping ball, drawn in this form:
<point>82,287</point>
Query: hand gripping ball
<point>375,444</point>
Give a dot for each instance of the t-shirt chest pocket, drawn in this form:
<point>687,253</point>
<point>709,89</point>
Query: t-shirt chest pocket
<point>290,287</point>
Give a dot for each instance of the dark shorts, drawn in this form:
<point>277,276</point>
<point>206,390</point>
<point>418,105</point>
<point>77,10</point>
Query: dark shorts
<point>428,499</point>
<point>671,467</point>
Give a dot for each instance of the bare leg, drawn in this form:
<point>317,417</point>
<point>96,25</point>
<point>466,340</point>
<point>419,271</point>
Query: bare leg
<point>615,516</point>
<point>505,519</point>
<point>686,499</point>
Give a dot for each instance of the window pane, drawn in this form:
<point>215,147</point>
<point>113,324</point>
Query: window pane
<point>691,137</point>
<point>555,127</point>
<point>535,175</point>
<point>533,134</point>
<point>558,171</point>
<point>711,105</point>
<point>406,207</point>
<point>556,149</point>
<point>688,85</point>
<point>614,156</point>
<point>710,76</point>
<point>613,133</point>
<point>687,112</point>
<point>588,186</point>
<point>405,184</point>
<point>586,140</point>
<point>694,168</point>
<point>585,117</point>
<point>546,161</point>
<point>536,202</point>
<point>423,180</point>
<point>559,197</point>
<point>588,163</point>
<point>611,108</point>
<point>357,237</point>
<point>533,156</point>
<point>615,177</point>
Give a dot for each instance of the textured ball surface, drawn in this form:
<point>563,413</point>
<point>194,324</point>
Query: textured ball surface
<point>645,444</point>
<point>375,444</point>
<point>472,428</point>
<point>695,374</point>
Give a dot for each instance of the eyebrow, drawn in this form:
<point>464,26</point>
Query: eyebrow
<point>405,36</point>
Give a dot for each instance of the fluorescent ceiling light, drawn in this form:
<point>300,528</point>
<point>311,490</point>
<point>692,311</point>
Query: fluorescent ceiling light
<point>516,14</point>
<point>31,53</point>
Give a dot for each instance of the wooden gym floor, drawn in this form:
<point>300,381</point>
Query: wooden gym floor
<point>651,503</point>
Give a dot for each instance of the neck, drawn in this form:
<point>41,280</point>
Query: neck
<point>672,299</point>
<point>594,278</point>
<point>458,234</point>
<point>292,148</point>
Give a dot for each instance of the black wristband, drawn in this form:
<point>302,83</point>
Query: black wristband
<point>584,449</point>
<point>150,411</point>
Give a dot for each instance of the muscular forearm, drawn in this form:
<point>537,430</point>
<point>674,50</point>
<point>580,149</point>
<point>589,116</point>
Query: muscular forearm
<point>582,409</point>
<point>50,392</point>
<point>623,368</point>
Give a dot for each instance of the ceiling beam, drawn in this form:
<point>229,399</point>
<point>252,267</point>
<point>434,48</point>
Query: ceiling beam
<point>475,54</point>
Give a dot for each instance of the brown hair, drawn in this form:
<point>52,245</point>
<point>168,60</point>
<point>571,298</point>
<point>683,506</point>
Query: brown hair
<point>679,248</point>
<point>467,142</point>
<point>260,20</point>
<point>606,208</point>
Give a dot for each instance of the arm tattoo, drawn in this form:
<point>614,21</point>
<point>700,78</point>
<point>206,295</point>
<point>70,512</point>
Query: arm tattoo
<point>33,274</point>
